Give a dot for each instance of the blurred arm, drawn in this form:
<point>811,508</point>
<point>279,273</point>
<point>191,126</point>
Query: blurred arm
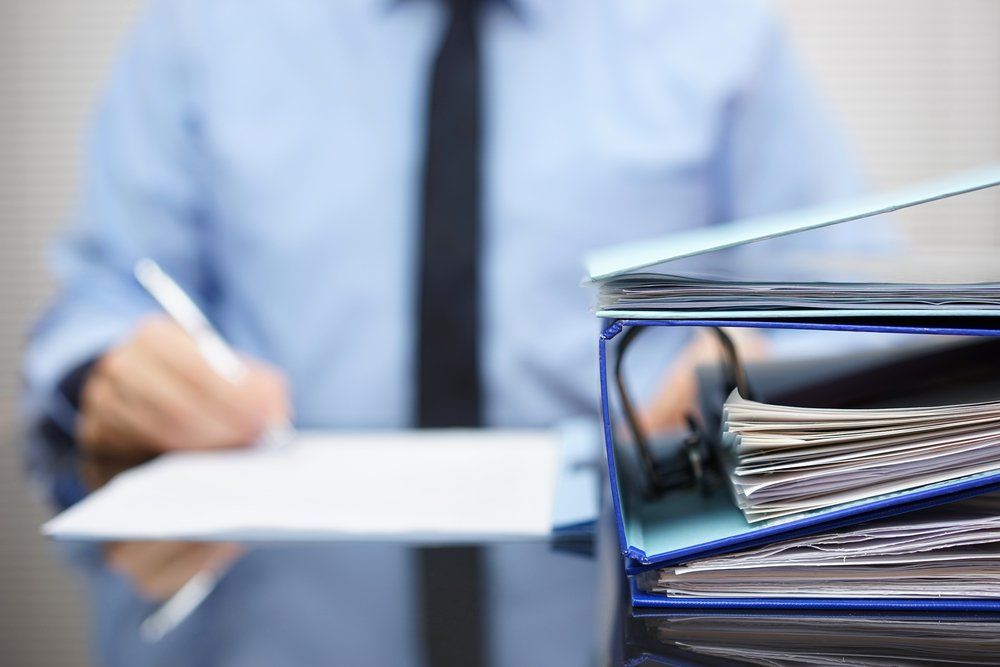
<point>141,196</point>
<point>779,148</point>
<point>785,151</point>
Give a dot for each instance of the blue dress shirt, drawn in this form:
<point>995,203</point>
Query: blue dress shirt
<point>267,152</point>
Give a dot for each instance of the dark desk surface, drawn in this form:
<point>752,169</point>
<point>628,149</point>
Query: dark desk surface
<point>654,637</point>
<point>620,635</point>
<point>783,639</point>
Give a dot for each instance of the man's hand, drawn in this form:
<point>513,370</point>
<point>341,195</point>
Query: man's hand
<point>679,390</point>
<point>157,393</point>
<point>160,569</point>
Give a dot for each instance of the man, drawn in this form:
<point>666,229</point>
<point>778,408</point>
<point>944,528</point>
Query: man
<point>383,206</point>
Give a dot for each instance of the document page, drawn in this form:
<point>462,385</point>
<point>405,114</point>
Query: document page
<point>793,460</point>
<point>951,551</point>
<point>686,295</point>
<point>447,486</point>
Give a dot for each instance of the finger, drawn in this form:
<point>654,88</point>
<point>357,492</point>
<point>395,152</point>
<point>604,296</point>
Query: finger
<point>103,428</point>
<point>139,561</point>
<point>159,399</point>
<point>752,345</point>
<point>222,555</point>
<point>177,571</point>
<point>95,471</point>
<point>184,564</point>
<point>137,426</point>
<point>174,351</point>
<point>676,396</point>
<point>272,390</point>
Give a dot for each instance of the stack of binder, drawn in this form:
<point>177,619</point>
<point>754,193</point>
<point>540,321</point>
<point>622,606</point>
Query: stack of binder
<point>715,637</point>
<point>819,507</point>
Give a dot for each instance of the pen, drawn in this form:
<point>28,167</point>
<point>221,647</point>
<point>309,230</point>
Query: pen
<point>224,361</point>
<point>180,605</point>
<point>179,306</point>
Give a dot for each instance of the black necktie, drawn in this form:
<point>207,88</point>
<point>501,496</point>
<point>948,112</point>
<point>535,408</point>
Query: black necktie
<point>447,364</point>
<point>449,317</point>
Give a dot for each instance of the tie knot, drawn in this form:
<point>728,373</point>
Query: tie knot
<point>464,8</point>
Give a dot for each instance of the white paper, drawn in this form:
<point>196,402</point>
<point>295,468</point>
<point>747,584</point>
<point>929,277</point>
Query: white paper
<point>952,551</point>
<point>790,460</point>
<point>416,486</point>
<point>672,293</point>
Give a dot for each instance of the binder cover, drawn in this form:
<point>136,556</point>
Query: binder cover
<point>625,258</point>
<point>619,260</point>
<point>684,525</point>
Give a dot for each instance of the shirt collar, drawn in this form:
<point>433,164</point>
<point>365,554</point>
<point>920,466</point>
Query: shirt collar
<point>515,7</point>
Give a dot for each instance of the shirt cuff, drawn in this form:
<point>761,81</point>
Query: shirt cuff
<point>55,436</point>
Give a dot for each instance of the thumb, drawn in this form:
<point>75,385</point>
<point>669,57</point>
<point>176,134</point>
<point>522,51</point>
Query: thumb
<point>271,390</point>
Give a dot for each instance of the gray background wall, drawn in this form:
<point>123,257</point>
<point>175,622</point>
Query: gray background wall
<point>916,83</point>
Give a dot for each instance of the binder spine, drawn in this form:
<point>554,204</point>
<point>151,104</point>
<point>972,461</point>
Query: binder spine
<point>602,354</point>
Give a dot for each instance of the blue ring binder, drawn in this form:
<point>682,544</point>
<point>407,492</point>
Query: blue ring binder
<point>638,559</point>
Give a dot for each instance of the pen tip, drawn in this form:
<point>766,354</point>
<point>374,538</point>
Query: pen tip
<point>144,268</point>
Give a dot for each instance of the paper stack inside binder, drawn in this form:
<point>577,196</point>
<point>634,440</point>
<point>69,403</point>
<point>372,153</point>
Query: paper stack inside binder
<point>950,551</point>
<point>792,460</point>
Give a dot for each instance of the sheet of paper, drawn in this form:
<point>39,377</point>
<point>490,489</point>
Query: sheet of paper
<point>817,314</point>
<point>948,551</point>
<point>416,486</point>
<point>789,459</point>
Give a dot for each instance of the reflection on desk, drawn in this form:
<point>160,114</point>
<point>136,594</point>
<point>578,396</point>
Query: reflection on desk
<point>815,639</point>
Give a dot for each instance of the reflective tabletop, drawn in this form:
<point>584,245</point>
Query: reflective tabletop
<point>563,603</point>
<point>634,636</point>
<point>814,639</point>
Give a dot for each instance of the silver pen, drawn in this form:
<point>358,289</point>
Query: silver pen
<point>223,360</point>
<point>179,306</point>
